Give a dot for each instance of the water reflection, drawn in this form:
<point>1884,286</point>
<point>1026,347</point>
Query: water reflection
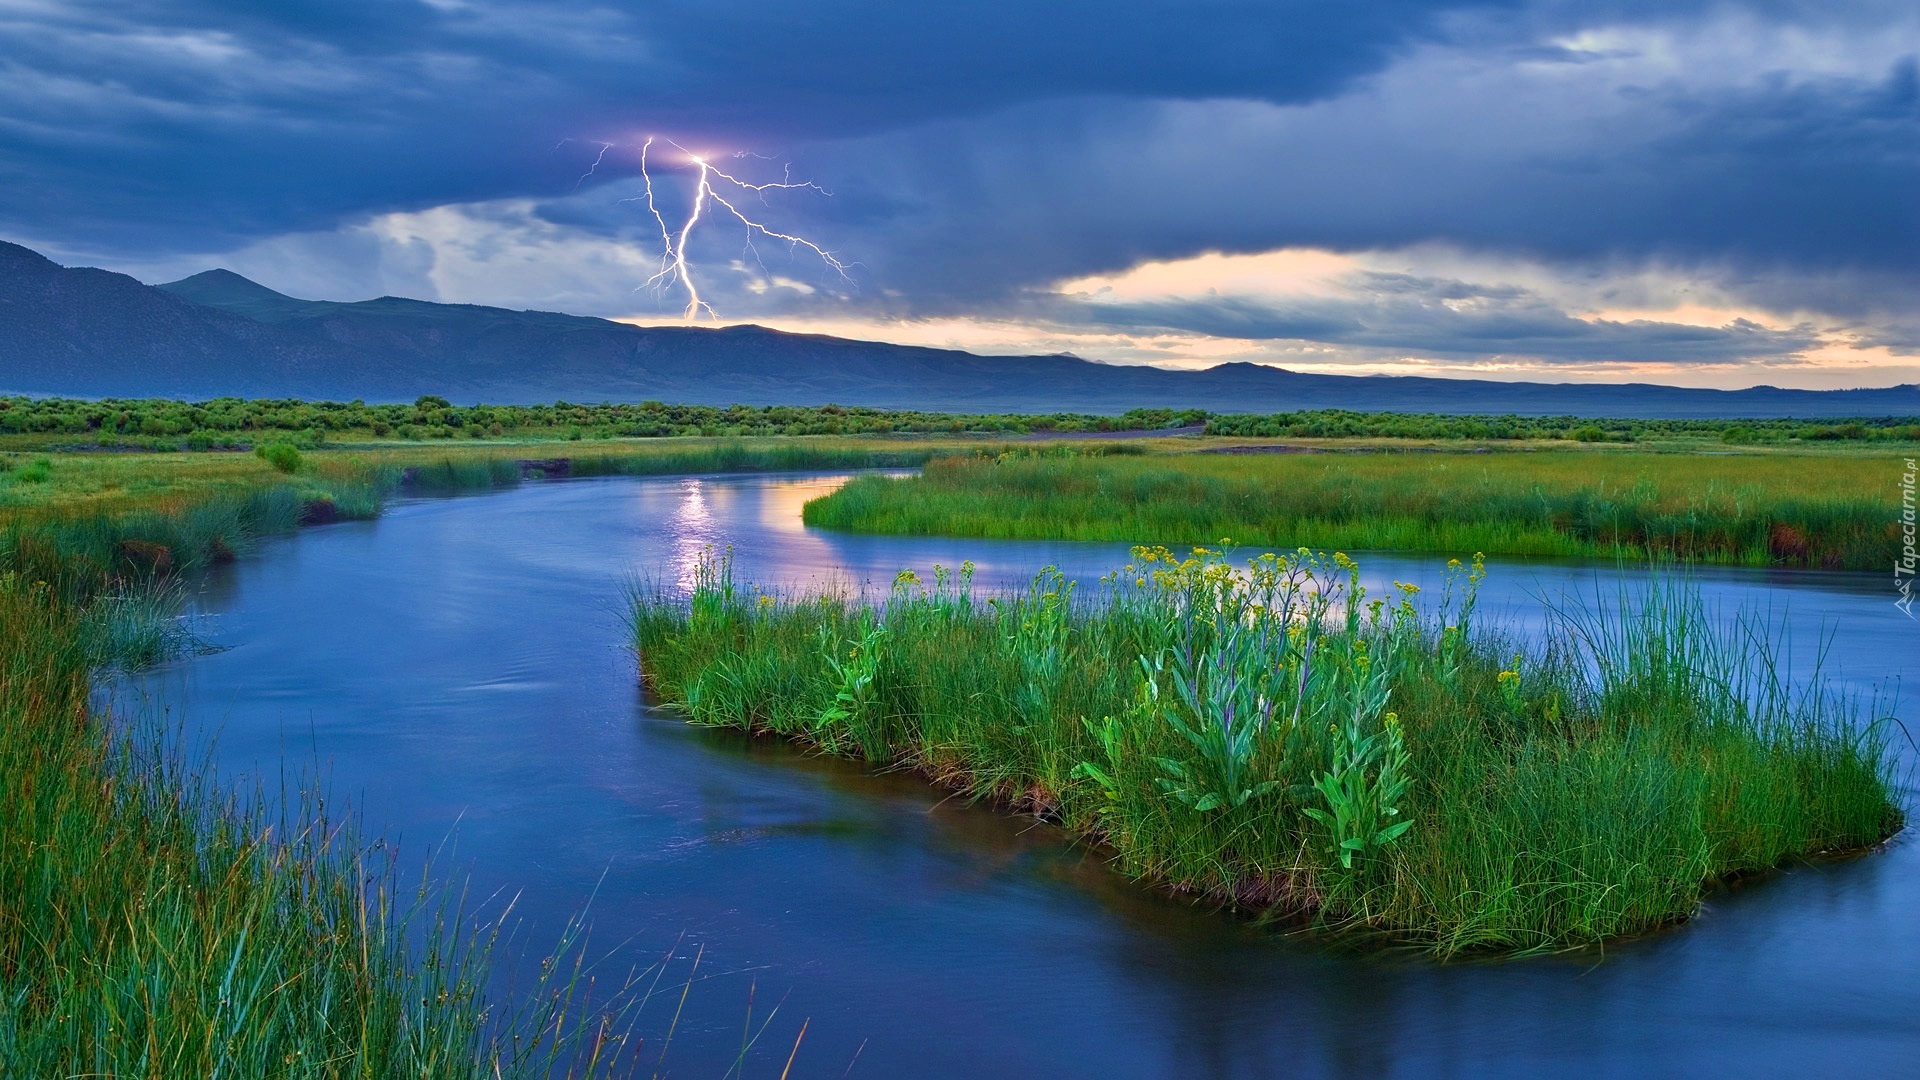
<point>694,533</point>
<point>462,661</point>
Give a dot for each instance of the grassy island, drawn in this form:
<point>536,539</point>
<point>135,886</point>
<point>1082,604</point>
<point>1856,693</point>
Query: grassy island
<point>1270,737</point>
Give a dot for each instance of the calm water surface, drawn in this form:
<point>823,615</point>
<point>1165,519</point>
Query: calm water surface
<point>459,668</point>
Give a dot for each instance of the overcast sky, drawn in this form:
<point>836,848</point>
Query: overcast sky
<point>1709,194</point>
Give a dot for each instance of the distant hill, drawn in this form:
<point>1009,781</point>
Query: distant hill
<point>95,333</point>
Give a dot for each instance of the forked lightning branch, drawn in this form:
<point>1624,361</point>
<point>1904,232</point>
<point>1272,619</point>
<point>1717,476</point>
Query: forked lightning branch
<point>711,190</point>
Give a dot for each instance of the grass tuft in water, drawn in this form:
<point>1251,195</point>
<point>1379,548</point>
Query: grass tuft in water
<point>140,626</point>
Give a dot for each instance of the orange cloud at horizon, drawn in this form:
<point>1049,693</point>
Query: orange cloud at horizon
<point>1839,360</point>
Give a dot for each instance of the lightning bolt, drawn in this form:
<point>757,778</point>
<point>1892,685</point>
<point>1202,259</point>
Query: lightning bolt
<point>709,181</point>
<point>595,167</point>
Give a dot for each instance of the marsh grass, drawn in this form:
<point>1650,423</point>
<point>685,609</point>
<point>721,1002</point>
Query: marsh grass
<point>140,626</point>
<point>156,926</point>
<point>765,455</point>
<point>1271,738</point>
<point>331,484</point>
<point>115,520</point>
<point>83,556</point>
<point>1806,510</point>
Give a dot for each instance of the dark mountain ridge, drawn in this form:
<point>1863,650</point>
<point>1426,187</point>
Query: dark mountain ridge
<point>95,333</point>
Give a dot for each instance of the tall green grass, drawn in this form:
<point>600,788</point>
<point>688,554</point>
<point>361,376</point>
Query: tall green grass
<point>154,926</point>
<point>1797,511</point>
<point>1273,738</point>
<point>81,556</point>
<point>140,626</point>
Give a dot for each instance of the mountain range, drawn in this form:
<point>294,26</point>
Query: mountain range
<point>94,333</point>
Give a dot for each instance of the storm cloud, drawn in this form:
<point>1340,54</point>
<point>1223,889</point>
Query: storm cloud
<point>1631,159</point>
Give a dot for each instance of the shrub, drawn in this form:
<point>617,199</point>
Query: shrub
<point>282,456</point>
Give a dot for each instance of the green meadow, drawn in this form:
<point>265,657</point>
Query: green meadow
<point>1811,509</point>
<point>1270,737</point>
<point>67,485</point>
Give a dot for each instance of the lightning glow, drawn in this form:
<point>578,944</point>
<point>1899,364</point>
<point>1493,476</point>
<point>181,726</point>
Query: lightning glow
<point>709,184</point>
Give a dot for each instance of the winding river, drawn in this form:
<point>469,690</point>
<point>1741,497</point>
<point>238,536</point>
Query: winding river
<point>459,669</point>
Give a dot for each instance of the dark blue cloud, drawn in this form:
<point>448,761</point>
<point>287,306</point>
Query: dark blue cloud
<point>167,123</point>
<point>978,153</point>
<point>1799,190</point>
<point>1811,173</point>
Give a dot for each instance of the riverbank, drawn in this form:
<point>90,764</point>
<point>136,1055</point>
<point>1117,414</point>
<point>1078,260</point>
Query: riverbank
<point>1829,511</point>
<point>1271,738</point>
<point>67,485</point>
<point>158,925</point>
<point>77,519</point>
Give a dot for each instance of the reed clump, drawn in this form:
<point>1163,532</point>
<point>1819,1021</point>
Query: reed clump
<point>1271,737</point>
<point>82,555</point>
<point>1791,510</point>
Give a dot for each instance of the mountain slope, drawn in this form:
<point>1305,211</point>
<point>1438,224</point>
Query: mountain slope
<point>95,333</point>
<point>230,292</point>
<point>90,331</point>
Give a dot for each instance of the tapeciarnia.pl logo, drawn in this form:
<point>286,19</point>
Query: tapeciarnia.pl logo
<point>1904,567</point>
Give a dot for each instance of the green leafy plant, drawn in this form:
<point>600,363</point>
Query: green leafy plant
<point>715,600</point>
<point>1510,690</point>
<point>852,677</point>
<point>1368,773</point>
<point>1108,735</point>
<point>1224,702</point>
<point>1040,641</point>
